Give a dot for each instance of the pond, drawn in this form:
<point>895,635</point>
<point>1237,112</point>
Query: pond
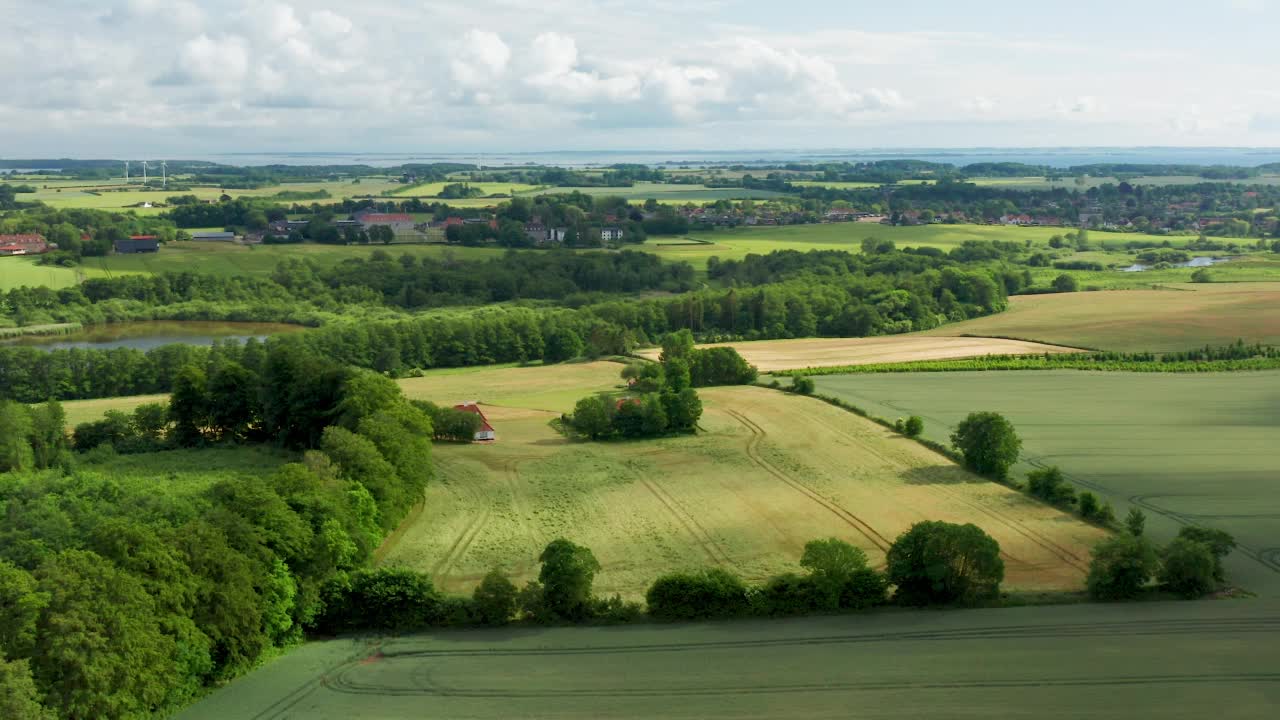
<point>150,334</point>
<point>1194,262</point>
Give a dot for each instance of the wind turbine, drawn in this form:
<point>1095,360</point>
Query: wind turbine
<point>164,174</point>
<point>144,173</point>
<point>126,172</point>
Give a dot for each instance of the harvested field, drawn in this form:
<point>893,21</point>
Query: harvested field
<point>1188,449</point>
<point>1181,317</point>
<point>770,355</point>
<point>551,388</point>
<point>770,472</point>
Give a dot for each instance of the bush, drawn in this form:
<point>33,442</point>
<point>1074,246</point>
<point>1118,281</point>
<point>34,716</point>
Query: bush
<point>989,444</point>
<point>567,573</point>
<point>939,562</point>
<point>1202,276</point>
<point>1050,485</point>
<point>913,427</point>
<point>1135,522</point>
<point>615,610</point>
<point>713,593</point>
<point>1188,568</point>
<point>383,599</point>
<point>1121,567</point>
<point>801,385</point>
<point>1065,283</point>
<point>494,599</point>
<point>864,589</point>
<point>1088,505</point>
<point>789,594</point>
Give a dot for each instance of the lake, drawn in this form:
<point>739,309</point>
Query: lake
<point>1194,262</point>
<point>149,334</point>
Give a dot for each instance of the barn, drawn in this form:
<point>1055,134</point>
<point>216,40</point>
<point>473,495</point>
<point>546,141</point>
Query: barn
<point>137,244</point>
<point>485,432</point>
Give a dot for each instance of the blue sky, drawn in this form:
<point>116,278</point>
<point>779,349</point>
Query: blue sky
<point>168,77</point>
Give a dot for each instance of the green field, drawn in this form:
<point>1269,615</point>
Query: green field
<point>669,193</point>
<point>1170,660</point>
<point>186,471</point>
<point>738,242</point>
<point>1188,449</point>
<point>1257,267</point>
<point>228,259</point>
<point>431,190</point>
<point>113,195</point>
<point>1179,317</point>
<point>24,272</point>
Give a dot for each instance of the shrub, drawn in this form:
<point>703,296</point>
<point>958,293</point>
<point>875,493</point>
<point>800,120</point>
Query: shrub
<point>988,442</point>
<point>1135,522</point>
<point>532,603</point>
<point>567,573</point>
<point>713,593</point>
<point>1121,567</point>
<point>494,599</point>
<point>615,610</point>
<point>1202,276</point>
<point>801,385</point>
<point>1050,485</point>
<point>789,594</point>
<point>382,599</point>
<point>1065,283</point>
<point>1089,507</point>
<point>865,588</point>
<point>1188,568</point>
<point>913,426</point>
<point>939,562</point>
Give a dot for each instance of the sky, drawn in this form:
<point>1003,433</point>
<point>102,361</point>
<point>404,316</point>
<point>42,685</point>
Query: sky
<point>113,78</point>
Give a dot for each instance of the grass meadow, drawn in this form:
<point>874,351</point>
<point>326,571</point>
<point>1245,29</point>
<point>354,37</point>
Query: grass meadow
<point>768,472</point>
<point>1186,448</point>
<point>185,472</point>
<point>1176,317</point>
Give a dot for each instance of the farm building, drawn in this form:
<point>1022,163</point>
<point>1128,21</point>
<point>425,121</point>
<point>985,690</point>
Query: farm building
<point>398,222</point>
<point>610,233</point>
<point>486,431</point>
<point>137,244</point>
<point>28,244</point>
<point>218,236</point>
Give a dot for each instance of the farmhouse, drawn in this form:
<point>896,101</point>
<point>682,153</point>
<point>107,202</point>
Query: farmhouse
<point>486,432</point>
<point>398,222</point>
<point>610,233</point>
<point>29,244</point>
<point>137,244</point>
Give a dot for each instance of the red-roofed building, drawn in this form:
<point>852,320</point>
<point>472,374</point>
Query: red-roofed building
<point>486,432</point>
<point>398,222</point>
<point>622,402</point>
<point>29,244</point>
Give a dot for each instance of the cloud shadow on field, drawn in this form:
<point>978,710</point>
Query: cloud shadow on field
<point>940,475</point>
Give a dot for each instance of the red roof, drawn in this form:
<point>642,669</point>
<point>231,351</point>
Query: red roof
<point>26,239</point>
<point>376,218</point>
<point>474,408</point>
<point>13,248</point>
<point>628,401</point>
<point>142,237</point>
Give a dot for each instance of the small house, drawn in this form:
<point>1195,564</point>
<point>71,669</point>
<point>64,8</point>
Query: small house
<point>26,244</point>
<point>399,223</point>
<point>137,244</point>
<point>610,233</point>
<point>485,433</point>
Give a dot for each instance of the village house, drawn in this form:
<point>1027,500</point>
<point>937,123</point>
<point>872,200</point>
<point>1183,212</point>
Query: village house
<point>400,223</point>
<point>137,244</point>
<point>27,244</point>
<point>610,233</point>
<point>485,433</point>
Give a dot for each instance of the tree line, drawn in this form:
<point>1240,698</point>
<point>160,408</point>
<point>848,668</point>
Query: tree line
<point>126,599</point>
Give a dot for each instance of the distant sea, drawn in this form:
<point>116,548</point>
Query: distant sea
<point>1053,157</point>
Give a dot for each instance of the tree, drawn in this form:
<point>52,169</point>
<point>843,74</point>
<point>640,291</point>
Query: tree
<point>939,562</point>
<point>801,385</point>
<point>832,564</point>
<point>1220,544</point>
<point>593,417</point>
<point>1121,567</point>
<point>495,599</point>
<point>1188,568</point>
<point>1202,276</point>
<point>233,401</point>
<point>567,573</point>
<point>913,426</point>
<point>189,406</point>
<point>49,434</point>
<point>1065,283</point>
<point>989,444</point>
<point>15,437</point>
<point>562,344</point>
<point>19,698</point>
<point>20,606</point>
<point>677,345</point>
<point>1135,522</point>
<point>713,593</point>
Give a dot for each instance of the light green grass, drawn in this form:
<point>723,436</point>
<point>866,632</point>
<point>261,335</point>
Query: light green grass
<point>1257,267</point>
<point>110,196</point>
<point>1196,448</point>
<point>835,184</point>
<point>24,272</point>
<point>488,188</point>
<point>668,193</point>
<point>186,471</point>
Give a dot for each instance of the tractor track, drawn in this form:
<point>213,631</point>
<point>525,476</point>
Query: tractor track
<point>753,452</point>
<point>690,524</point>
<point>461,544</point>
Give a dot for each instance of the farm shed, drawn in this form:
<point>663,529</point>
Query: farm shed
<point>137,244</point>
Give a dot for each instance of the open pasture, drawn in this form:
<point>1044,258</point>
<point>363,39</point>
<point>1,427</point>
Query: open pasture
<point>1187,448</point>
<point>548,388</point>
<point>431,190</point>
<point>669,193</point>
<point>768,473</point>
<point>115,195</point>
<point>770,355</point>
<point>1180,317</point>
<point>22,271</point>
<point>1169,660</point>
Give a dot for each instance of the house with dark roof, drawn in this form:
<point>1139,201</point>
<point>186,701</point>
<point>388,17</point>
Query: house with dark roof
<point>214,236</point>
<point>485,433</point>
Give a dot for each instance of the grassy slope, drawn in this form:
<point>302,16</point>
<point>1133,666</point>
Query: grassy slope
<point>1156,320</point>
<point>769,472</point>
<point>1198,448</point>
<point>111,196</point>
<point>188,471</point>
<point>24,272</point>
